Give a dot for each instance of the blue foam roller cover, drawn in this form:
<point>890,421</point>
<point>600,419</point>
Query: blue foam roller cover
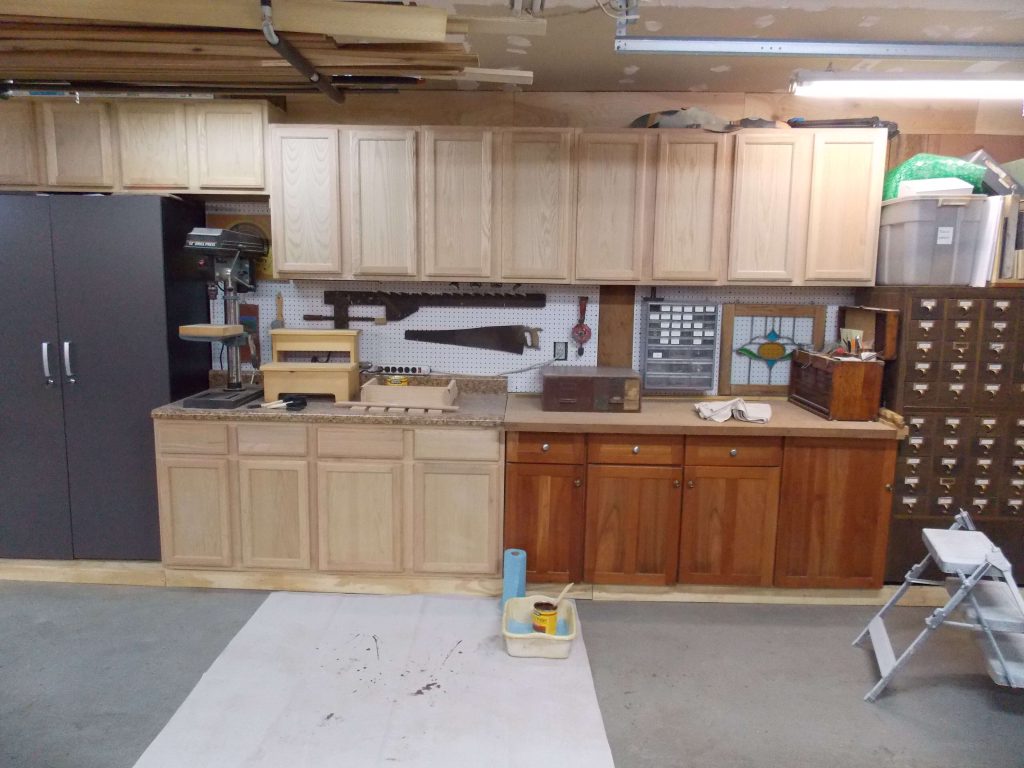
<point>514,583</point>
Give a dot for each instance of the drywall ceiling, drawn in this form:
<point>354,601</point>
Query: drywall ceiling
<point>577,55</point>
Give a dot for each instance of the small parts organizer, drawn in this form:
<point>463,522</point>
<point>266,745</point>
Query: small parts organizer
<point>679,341</point>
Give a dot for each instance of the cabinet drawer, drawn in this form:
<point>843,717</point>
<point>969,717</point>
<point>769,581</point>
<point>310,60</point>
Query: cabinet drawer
<point>997,330</point>
<point>545,448</point>
<point>734,451</point>
<point>360,443</point>
<point>191,438</point>
<point>1001,309</point>
<point>447,444</point>
<point>961,330</point>
<point>924,350</point>
<point>921,425</point>
<point>272,439</point>
<point>926,308</point>
<point>620,449</point>
<point>996,352</point>
<point>925,330</point>
<point>962,309</point>
<point>923,371</point>
<point>987,394</point>
<point>959,351</point>
<point>954,426</point>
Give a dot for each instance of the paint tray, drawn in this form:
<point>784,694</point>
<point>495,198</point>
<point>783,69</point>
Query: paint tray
<point>521,640</point>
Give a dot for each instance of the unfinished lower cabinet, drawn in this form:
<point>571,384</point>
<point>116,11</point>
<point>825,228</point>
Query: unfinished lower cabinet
<point>273,497</point>
<point>834,513</point>
<point>195,511</point>
<point>359,515</point>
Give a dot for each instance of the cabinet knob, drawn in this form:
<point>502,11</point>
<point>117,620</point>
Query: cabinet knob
<point>733,452</point>
<point>676,483</point>
<point>545,448</point>
<point>690,483</point>
<point>636,449</point>
<point>888,487</point>
<point>577,482</point>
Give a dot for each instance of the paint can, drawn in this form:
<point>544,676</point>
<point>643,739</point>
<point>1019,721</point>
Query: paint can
<point>397,381</point>
<point>545,618</point>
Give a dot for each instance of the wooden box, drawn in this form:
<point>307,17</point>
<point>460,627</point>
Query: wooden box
<point>284,375</point>
<point>880,327</point>
<point>590,388</point>
<point>412,395</point>
<point>841,390</point>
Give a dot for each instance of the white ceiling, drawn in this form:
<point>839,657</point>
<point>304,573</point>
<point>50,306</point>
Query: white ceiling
<point>576,54</point>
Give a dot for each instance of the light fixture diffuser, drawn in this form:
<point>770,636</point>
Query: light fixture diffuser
<point>865,85</point>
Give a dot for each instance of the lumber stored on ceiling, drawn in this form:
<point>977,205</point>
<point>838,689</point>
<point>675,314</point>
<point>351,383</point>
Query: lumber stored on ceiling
<point>371,21</point>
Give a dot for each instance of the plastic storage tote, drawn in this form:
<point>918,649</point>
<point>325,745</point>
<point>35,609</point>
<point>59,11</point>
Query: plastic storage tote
<point>929,240</point>
<point>520,640</point>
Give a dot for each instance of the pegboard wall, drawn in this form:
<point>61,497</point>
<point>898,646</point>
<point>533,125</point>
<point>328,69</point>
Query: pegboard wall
<point>718,295</point>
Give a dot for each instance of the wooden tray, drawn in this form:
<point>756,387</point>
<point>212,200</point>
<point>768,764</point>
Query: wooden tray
<point>413,396</point>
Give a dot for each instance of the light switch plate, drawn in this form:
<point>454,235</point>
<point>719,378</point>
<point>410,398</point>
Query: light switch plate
<point>561,350</point>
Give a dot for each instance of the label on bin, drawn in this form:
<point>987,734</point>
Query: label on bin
<point>944,235</point>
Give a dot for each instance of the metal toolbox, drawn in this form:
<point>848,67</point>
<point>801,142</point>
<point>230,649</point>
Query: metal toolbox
<point>590,388</point>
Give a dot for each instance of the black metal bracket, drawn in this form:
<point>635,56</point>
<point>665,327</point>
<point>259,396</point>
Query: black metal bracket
<point>293,56</point>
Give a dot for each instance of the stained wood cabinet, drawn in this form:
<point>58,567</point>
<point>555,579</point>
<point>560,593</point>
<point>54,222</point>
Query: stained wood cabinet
<point>771,188</point>
<point>834,513</point>
<point>305,204</point>
<point>153,143</point>
<point>632,531</point>
<point>359,507</point>
<point>19,161</point>
<point>612,210</point>
<point>544,515</point>
<point>728,526</point>
<point>378,173</point>
<point>78,144</point>
<point>456,202</point>
<point>274,513</point>
<point>537,204</point>
<point>195,511</point>
<point>691,206</point>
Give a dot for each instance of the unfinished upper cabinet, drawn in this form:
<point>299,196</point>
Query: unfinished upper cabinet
<point>845,205</point>
<point>456,202</point>
<point>537,204</point>
<point>691,209</point>
<point>153,145</point>
<point>78,145</point>
<point>378,177</point>
<point>771,184</point>
<point>229,144</point>
<point>19,162</point>
<point>612,211</point>
<point>305,204</point>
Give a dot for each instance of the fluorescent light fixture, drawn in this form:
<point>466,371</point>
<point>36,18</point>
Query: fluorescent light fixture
<point>832,49</point>
<point>864,85</point>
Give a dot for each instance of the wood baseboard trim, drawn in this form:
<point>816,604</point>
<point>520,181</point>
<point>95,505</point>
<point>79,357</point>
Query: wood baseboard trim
<point>114,572</point>
<point>329,582</point>
<point>917,596</point>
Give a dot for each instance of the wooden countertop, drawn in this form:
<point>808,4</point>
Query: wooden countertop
<point>672,416</point>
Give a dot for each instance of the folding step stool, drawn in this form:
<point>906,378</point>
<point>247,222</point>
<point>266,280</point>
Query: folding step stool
<point>979,574</point>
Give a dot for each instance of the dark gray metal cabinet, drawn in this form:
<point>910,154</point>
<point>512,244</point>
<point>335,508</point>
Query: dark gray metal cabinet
<point>92,290</point>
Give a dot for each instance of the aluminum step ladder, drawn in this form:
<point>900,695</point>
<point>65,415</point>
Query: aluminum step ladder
<point>980,581</point>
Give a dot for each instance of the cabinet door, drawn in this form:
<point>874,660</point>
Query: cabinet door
<point>632,532</point>
<point>229,145</point>
<point>305,204</point>
<point>771,185</point>
<point>153,143</point>
<point>274,512</point>
<point>537,204</point>
<point>544,515</point>
<point>691,206</point>
<point>78,146</point>
<point>846,202</point>
<point>834,513</point>
<point>456,518</point>
<point>612,214</point>
<point>195,511</point>
<point>728,528</point>
<point>19,162</point>
<point>359,509</point>
<point>379,192</point>
<point>457,202</point>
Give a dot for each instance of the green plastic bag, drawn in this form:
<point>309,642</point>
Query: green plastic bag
<point>925,166</point>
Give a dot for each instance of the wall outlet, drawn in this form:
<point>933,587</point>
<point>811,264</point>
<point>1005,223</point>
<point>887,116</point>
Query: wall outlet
<point>561,350</point>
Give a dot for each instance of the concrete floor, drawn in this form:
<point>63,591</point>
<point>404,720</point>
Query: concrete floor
<point>89,675</point>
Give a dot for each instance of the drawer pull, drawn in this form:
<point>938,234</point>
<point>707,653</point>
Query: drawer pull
<point>690,484</point>
<point>577,482</point>
<point>733,452</point>
<point>636,449</point>
<point>888,487</point>
<point>546,447</point>
<point>676,483</point>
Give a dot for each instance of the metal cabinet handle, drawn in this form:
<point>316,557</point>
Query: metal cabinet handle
<point>676,483</point>
<point>46,364</point>
<point>67,363</point>
<point>888,487</point>
<point>690,484</point>
<point>733,452</point>
<point>636,449</point>
<point>577,482</point>
<point>545,448</point>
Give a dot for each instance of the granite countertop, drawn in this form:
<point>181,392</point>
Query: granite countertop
<point>676,416</point>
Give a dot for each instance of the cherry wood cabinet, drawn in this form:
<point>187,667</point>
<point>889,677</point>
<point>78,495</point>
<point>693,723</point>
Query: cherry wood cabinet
<point>728,525</point>
<point>632,530</point>
<point>544,515</point>
<point>834,513</point>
